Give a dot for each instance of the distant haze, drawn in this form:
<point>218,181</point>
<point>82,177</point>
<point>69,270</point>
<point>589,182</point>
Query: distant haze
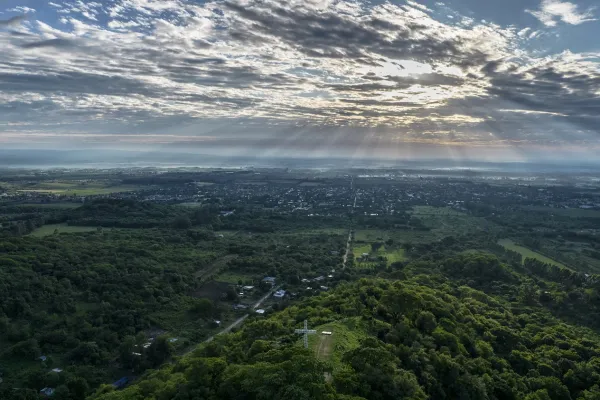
<point>90,159</point>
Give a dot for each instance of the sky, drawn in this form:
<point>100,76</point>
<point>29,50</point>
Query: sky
<point>511,80</point>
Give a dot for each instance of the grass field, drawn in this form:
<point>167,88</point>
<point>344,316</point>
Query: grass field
<point>526,253</point>
<point>392,254</point>
<point>77,188</point>
<point>233,278</point>
<point>437,211</point>
<point>444,221</point>
<point>48,230</point>
<point>440,221</point>
<point>215,268</point>
<point>190,205</point>
<point>567,212</point>
<point>52,205</point>
<point>346,336</point>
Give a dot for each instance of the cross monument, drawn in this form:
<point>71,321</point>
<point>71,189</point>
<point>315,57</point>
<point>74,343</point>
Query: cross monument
<point>305,332</point>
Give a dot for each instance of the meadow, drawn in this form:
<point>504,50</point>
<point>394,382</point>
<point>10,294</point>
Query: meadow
<point>346,335</point>
<point>391,253</point>
<point>527,253</point>
<point>76,188</point>
<point>48,230</point>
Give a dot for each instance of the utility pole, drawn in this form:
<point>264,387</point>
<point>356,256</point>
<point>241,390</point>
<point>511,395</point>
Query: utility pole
<point>305,332</point>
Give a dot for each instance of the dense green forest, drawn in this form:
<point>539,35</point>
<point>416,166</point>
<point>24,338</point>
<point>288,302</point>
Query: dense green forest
<point>423,336</point>
<point>440,307</point>
<point>114,302</point>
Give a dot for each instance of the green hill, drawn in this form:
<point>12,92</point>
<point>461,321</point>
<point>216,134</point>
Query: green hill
<point>422,337</point>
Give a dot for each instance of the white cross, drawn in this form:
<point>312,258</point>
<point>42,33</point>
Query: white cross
<point>305,332</point>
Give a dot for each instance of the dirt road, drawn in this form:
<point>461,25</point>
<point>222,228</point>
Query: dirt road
<point>238,321</point>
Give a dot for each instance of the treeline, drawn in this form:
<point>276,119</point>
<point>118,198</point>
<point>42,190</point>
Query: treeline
<point>508,255</point>
<point>21,220</point>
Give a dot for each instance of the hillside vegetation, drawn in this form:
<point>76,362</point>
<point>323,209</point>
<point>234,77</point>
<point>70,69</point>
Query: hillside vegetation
<point>434,336</point>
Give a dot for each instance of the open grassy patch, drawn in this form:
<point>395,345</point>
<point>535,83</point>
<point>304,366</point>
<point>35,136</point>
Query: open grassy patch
<point>78,188</point>
<point>392,255</point>
<point>48,230</point>
<point>527,253</point>
<point>346,336</point>
<point>61,206</point>
<point>566,212</point>
<point>437,211</point>
<point>234,278</point>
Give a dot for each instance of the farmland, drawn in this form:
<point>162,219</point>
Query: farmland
<point>74,188</point>
<point>527,253</point>
<point>48,230</point>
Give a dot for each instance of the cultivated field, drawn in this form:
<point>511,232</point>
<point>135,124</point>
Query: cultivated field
<point>526,253</point>
<point>48,230</point>
<point>76,188</point>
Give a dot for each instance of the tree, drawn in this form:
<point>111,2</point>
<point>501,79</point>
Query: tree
<point>182,222</point>
<point>232,295</point>
<point>203,308</point>
<point>375,246</point>
<point>159,351</point>
<point>426,322</point>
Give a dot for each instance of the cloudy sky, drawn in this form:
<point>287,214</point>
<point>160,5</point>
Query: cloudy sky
<point>510,80</point>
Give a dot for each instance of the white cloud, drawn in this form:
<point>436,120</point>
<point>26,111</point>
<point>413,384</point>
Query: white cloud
<point>23,10</point>
<point>552,11</point>
<point>322,63</point>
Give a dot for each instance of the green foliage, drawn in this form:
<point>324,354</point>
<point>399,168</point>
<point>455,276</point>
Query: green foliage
<point>422,338</point>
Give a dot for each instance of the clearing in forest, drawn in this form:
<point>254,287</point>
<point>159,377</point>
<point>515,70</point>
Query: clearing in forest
<point>390,253</point>
<point>215,267</point>
<point>345,336</point>
<point>48,230</point>
<point>526,253</point>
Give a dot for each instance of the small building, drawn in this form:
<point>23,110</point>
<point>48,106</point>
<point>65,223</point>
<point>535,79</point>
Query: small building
<point>43,358</point>
<point>248,288</point>
<point>121,382</point>
<point>364,255</point>
<point>226,213</point>
<point>328,333</point>
<point>57,370</point>
<point>47,391</point>
<point>280,294</point>
<point>173,340</point>
<point>269,279</point>
<point>147,344</point>
<point>217,322</point>
<point>304,280</point>
<point>136,354</point>
<point>240,307</point>
<point>260,311</point>
<point>324,288</point>
<point>319,278</point>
